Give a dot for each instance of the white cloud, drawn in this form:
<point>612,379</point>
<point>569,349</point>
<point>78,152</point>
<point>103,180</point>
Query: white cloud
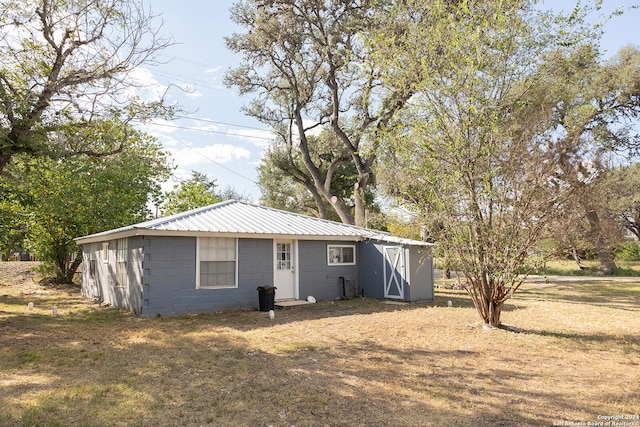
<point>257,138</point>
<point>195,94</point>
<point>214,69</point>
<point>219,153</point>
<point>145,85</point>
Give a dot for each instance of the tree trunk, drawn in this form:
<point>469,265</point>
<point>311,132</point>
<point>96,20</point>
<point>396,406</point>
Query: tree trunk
<point>5,156</point>
<point>607,264</point>
<point>72,268</point>
<point>488,309</point>
<point>342,210</point>
<point>576,257</point>
<point>495,309</point>
<point>360,217</point>
<point>317,197</point>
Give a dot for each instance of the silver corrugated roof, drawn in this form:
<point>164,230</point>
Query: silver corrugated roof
<point>240,218</point>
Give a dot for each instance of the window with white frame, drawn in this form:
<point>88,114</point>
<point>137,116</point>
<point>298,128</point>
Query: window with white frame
<point>92,266</point>
<point>105,252</point>
<point>217,262</point>
<point>121,262</point>
<point>341,254</point>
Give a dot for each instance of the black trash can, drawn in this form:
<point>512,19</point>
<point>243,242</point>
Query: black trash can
<point>266,297</point>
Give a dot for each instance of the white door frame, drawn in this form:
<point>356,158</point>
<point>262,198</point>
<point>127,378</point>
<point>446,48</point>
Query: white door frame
<point>394,279</point>
<point>294,268</point>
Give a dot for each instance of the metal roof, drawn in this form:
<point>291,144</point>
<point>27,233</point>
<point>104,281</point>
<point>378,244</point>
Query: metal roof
<point>234,217</point>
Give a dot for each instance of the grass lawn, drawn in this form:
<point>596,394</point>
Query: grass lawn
<point>574,355</point>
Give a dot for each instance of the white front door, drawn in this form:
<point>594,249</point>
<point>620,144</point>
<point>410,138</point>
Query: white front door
<point>394,272</point>
<point>285,269</point>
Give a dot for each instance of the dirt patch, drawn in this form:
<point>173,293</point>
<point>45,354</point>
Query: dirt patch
<point>17,277</point>
<point>572,355</point>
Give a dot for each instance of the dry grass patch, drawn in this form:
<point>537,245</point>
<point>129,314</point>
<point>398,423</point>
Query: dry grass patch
<point>344,363</point>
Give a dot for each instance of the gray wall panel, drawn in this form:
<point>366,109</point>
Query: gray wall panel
<point>170,281</point>
<point>316,277</point>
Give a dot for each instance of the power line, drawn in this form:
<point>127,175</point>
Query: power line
<point>187,60</point>
<point>222,123</point>
<point>214,131</point>
<point>189,80</point>
<point>191,148</point>
<point>204,156</point>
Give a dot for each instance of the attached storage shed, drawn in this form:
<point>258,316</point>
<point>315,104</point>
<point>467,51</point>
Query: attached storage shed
<point>215,257</point>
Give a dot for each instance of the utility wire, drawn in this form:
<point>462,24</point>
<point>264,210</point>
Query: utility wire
<point>264,138</point>
<point>189,80</point>
<point>221,123</point>
<point>190,61</point>
<point>204,156</point>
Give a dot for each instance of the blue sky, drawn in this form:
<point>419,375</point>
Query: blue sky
<point>213,136</point>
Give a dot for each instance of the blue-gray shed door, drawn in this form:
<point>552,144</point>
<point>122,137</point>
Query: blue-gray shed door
<point>394,272</point>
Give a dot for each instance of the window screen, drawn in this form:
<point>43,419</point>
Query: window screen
<point>341,254</point>
<point>217,257</point>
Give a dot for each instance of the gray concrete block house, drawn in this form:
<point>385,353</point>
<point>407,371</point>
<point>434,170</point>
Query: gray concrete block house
<point>214,258</point>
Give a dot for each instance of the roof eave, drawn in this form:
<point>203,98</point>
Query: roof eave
<point>134,232</point>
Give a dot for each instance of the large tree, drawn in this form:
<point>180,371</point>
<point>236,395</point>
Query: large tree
<point>62,200</point>
<point>311,66</point>
<point>621,188</point>
<point>287,184</point>
<point>471,155</point>
<point>65,65</point>
<point>594,107</point>
<point>510,135</point>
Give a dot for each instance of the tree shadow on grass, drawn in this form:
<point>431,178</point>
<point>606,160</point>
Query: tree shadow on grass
<point>105,367</point>
<point>463,300</point>
<point>620,295</point>
<point>603,340</point>
<point>182,381</point>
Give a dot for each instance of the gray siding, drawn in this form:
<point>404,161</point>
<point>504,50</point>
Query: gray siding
<point>103,287</point>
<point>418,283</point>
<point>131,294</point>
<point>371,269</point>
<point>89,287</point>
<point>169,281</point>
<point>316,277</point>
<point>161,275</point>
<point>420,264</point>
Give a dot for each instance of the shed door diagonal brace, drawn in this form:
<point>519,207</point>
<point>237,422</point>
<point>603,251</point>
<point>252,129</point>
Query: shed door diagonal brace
<point>393,272</point>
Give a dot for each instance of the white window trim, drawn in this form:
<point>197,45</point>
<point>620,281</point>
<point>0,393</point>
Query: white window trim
<point>122,251</point>
<point>198,267</point>
<point>93,262</point>
<point>105,252</point>
<point>329,247</point>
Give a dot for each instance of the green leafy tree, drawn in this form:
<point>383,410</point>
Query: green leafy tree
<point>511,129</point>
<point>621,186</point>
<point>62,200</point>
<point>192,193</point>
<point>287,184</point>
<point>311,66</point>
<point>13,225</point>
<point>64,69</point>
<point>468,155</point>
<point>282,189</point>
<point>595,106</point>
